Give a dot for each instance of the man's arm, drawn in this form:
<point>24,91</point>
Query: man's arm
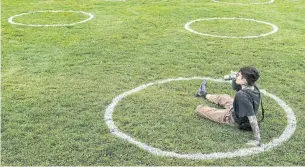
<point>255,128</point>
<point>235,86</point>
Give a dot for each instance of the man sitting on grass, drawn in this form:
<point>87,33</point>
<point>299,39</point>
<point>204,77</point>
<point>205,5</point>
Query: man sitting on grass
<point>242,109</point>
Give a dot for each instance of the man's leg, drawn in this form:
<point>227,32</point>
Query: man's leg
<point>222,100</point>
<point>223,116</point>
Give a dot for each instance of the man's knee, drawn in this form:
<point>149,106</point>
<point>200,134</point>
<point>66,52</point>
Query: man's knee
<point>201,110</point>
<point>225,96</point>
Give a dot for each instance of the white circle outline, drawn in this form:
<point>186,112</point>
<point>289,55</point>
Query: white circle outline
<point>187,26</point>
<point>288,132</point>
<point>10,20</point>
<point>259,3</point>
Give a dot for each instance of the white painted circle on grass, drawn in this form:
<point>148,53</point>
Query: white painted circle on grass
<point>257,3</point>
<point>11,19</point>
<point>274,28</point>
<point>288,132</point>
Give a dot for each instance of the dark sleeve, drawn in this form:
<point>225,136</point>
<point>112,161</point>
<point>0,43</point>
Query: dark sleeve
<point>235,86</point>
<point>245,107</point>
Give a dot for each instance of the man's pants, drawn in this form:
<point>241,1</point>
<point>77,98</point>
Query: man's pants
<point>223,116</point>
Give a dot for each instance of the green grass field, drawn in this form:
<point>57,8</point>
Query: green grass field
<point>58,81</point>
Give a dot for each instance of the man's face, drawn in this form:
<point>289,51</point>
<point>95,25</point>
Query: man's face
<point>240,80</point>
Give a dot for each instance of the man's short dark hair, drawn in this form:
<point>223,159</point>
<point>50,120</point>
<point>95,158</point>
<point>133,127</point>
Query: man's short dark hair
<point>251,74</point>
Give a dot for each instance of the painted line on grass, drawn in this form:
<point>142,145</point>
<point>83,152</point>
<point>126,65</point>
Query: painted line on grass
<point>274,27</point>
<point>258,3</point>
<point>116,0</point>
<point>288,132</point>
<point>11,19</point>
